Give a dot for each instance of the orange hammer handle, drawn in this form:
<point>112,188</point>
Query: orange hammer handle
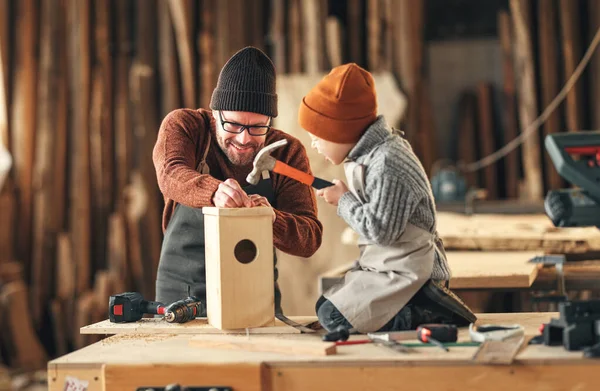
<point>284,169</point>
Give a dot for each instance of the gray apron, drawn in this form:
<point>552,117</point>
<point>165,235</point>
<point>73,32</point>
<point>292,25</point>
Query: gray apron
<point>182,259</point>
<point>386,277</point>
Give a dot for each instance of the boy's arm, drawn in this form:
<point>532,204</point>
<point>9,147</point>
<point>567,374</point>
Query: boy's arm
<point>382,220</point>
<point>174,157</point>
<point>297,229</point>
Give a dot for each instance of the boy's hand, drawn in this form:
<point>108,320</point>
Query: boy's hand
<point>231,195</point>
<point>258,200</point>
<point>332,194</point>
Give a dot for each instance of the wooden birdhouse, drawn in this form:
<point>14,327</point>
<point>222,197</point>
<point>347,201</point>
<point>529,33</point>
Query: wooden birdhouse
<point>239,267</point>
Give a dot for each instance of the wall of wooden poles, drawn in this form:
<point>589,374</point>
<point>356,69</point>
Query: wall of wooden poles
<point>86,83</point>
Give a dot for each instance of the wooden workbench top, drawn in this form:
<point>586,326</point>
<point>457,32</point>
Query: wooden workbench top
<point>128,361</point>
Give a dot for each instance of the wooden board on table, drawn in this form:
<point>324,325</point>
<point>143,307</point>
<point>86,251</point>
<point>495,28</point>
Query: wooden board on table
<point>502,269</point>
<point>265,343</point>
<point>196,326</point>
<point>531,232</point>
<point>474,269</point>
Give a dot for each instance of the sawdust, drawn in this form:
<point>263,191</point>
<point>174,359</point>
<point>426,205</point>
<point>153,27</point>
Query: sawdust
<point>136,337</point>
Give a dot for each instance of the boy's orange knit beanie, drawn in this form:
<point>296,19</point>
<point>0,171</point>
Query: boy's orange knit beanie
<point>341,106</point>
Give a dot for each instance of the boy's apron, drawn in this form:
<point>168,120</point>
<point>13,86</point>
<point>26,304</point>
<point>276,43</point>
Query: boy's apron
<point>182,258</point>
<point>386,277</point>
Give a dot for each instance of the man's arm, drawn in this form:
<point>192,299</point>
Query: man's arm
<point>297,229</point>
<point>174,157</point>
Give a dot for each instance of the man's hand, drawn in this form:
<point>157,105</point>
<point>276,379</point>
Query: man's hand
<point>258,200</point>
<point>231,195</point>
<point>332,194</point>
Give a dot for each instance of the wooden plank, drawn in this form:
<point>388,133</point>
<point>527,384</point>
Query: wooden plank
<point>180,12</point>
<point>355,26</point>
<point>310,16</point>
<point>123,126</point>
<point>511,161</point>
<point>314,347</point>
<point>5,18</point>
<point>547,37</point>
<point>26,350</point>
<point>23,120</point>
<point>577,275</point>
<point>208,71</point>
<point>277,33</point>
<point>374,27</point>
<point>294,43</point>
<point>387,52</point>
<point>487,140</point>
<point>167,59</point>
<point>491,232</point>
<point>571,54</point>
<point>117,248</point>
<point>594,67</point>
<point>525,77</point>
<point>334,48</point>
<point>196,326</point>
<point>490,270</point>
<point>79,31</point>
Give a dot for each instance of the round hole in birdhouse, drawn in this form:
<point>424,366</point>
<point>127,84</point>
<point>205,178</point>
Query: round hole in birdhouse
<point>245,251</point>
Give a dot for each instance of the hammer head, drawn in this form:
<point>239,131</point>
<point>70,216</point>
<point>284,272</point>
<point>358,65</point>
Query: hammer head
<point>264,161</point>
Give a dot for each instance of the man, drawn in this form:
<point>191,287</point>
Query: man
<point>202,158</point>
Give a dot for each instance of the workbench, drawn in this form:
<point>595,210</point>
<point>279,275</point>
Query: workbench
<point>128,361</point>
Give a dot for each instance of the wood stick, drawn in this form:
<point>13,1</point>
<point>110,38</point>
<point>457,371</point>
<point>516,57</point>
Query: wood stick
<point>527,102</point>
<point>167,61</point>
<point>569,20</point>
<point>80,216</point>
<point>487,140</point>
<point>311,48</point>
<point>549,81</point>
<point>208,74</point>
<point>123,126</point>
<point>511,161</point>
<point>4,73</point>
<point>334,47</point>
<point>180,11</point>
<point>23,120</point>
<point>373,35</point>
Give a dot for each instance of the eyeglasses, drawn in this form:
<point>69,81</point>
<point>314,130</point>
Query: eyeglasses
<point>253,130</point>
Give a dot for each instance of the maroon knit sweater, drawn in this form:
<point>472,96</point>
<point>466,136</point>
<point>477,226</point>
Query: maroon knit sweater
<point>181,142</point>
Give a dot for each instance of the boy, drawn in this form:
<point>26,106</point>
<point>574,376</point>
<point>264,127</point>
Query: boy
<point>402,273</point>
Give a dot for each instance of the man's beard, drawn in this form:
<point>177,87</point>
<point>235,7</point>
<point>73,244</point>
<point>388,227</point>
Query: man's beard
<point>236,158</point>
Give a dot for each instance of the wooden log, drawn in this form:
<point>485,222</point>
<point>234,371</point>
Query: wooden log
<point>23,120</point>
<point>208,73</point>
<point>486,132</point>
<point>547,38</point>
<point>26,351</point>
<point>79,91</point>
<point>180,14</point>
<point>525,76</point>
<point>123,126</point>
<point>4,73</point>
<point>310,16</point>
<point>511,161</point>
<point>571,53</point>
<point>373,35</point>
<point>294,43</point>
<point>334,43</point>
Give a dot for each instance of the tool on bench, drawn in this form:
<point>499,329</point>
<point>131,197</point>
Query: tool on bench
<point>499,344</point>
<point>577,328</point>
<point>436,334</point>
<point>576,207</point>
<point>131,307</point>
<point>264,161</point>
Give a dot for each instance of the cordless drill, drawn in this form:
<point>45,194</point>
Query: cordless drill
<point>131,307</point>
<point>184,310</point>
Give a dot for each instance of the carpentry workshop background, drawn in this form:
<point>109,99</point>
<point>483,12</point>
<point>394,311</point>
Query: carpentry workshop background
<point>85,84</point>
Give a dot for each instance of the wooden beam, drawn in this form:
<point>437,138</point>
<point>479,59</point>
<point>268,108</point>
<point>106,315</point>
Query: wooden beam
<point>310,17</point>
<point>334,41</point>
<point>294,44</point>
<point>570,28</point>
<point>373,35</point>
<point>180,14</point>
<point>547,37</point>
<point>534,189</point>
<point>208,71</point>
<point>355,18</point>
<point>23,120</point>
<point>511,161</point>
<point>277,33</point>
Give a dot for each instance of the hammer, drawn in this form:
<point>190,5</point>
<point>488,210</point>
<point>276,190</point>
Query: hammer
<point>264,161</point>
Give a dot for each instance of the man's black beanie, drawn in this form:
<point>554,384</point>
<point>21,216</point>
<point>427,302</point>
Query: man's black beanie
<point>246,83</point>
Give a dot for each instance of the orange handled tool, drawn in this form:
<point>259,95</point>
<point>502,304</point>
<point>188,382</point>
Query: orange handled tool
<point>289,171</point>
